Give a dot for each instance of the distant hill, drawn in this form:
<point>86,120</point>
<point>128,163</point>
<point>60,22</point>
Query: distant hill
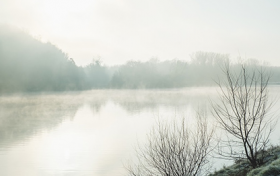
<point>26,64</point>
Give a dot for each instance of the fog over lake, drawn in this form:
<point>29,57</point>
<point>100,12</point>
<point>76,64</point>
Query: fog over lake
<point>89,132</point>
<point>139,88</point>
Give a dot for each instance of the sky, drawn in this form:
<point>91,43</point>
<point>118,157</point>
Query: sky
<point>117,31</point>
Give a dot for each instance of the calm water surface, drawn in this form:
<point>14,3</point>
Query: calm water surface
<point>90,133</point>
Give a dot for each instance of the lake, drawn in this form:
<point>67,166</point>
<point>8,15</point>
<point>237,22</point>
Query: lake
<point>89,133</point>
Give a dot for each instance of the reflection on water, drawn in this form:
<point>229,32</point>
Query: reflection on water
<point>84,133</point>
<point>21,117</point>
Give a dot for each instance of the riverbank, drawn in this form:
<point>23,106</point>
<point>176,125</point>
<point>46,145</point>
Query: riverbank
<point>242,168</point>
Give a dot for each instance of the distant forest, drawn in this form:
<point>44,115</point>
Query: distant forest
<point>28,65</point>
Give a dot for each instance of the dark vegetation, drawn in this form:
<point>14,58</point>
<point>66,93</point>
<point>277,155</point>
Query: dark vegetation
<point>242,167</point>
<point>28,65</point>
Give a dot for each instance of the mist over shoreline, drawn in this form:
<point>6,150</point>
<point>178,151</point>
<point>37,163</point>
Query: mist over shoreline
<point>29,65</point>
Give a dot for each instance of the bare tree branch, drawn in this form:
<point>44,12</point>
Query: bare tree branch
<point>175,149</point>
<point>242,113</point>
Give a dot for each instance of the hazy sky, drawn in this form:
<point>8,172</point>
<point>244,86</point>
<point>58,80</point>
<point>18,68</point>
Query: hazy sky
<point>122,30</point>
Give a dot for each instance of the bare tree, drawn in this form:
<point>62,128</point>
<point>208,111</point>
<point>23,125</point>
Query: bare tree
<point>174,149</point>
<point>243,113</point>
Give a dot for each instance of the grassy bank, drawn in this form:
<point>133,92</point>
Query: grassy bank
<point>242,167</point>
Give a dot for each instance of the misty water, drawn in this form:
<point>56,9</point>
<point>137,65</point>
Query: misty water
<point>90,132</point>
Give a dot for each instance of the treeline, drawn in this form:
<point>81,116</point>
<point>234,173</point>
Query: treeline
<point>169,74</point>
<point>27,64</point>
